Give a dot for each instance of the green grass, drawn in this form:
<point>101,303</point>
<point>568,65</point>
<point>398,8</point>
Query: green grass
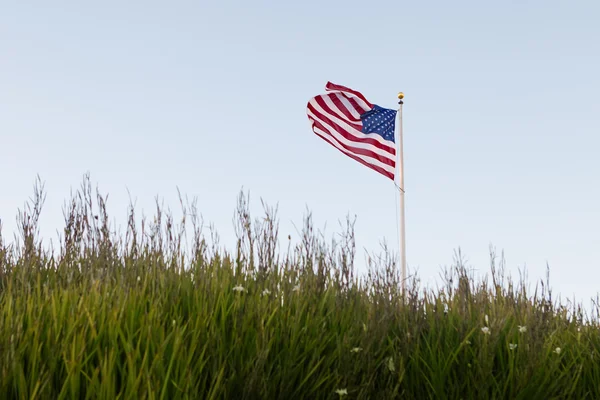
<point>160,313</point>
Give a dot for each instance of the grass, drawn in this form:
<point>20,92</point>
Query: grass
<point>158,312</point>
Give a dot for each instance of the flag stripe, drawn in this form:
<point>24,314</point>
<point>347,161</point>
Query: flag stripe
<point>355,147</point>
<point>352,93</point>
<point>346,104</point>
<point>341,103</point>
<point>384,171</point>
<point>329,108</point>
<point>349,131</point>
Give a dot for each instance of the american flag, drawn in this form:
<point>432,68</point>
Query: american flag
<point>349,122</point>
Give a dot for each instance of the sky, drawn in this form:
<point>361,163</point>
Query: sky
<point>501,120</point>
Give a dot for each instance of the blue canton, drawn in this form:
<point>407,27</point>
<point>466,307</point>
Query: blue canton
<point>381,121</point>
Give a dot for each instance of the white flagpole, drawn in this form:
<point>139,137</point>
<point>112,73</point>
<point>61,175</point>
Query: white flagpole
<point>401,185</point>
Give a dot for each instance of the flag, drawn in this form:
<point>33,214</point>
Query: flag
<point>361,130</point>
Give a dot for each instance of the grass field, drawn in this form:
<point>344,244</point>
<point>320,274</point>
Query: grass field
<point>161,312</point>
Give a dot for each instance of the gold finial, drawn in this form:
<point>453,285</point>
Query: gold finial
<point>400,95</point>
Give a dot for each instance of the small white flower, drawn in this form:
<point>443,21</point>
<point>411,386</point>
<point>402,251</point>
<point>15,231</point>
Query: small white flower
<point>239,288</point>
<point>487,320</point>
<point>356,350</point>
<point>342,392</point>
<point>522,329</point>
<point>485,330</point>
<point>139,278</point>
<point>296,288</point>
<point>390,364</point>
<point>557,350</point>
<point>266,292</point>
<point>512,346</point>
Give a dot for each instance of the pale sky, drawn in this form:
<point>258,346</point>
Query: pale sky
<point>501,119</point>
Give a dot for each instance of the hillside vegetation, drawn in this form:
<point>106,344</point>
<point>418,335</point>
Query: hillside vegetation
<point>160,311</point>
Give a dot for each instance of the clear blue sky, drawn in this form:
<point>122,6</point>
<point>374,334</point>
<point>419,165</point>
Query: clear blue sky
<point>501,119</point>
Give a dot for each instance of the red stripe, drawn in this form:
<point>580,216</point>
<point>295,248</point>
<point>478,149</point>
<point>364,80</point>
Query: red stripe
<point>357,150</point>
<point>371,166</point>
<point>320,101</point>
<point>335,98</point>
<point>356,106</point>
<point>333,86</point>
<point>345,133</point>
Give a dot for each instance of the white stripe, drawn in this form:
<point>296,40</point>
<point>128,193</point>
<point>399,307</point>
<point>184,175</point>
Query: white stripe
<point>339,111</point>
<point>360,101</point>
<point>372,161</point>
<point>365,106</point>
<point>336,109</point>
<point>349,106</point>
<point>342,122</point>
<point>351,143</point>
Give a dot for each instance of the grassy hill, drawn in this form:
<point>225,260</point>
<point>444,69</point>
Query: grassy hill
<point>153,313</point>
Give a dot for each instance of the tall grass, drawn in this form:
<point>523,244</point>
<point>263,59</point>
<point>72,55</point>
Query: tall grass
<point>159,311</point>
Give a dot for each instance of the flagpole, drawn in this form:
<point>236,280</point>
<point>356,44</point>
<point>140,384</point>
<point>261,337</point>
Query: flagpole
<point>401,185</point>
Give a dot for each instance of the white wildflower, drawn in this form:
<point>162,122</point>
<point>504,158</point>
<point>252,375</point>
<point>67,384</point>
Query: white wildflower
<point>557,350</point>
<point>485,330</point>
<point>390,364</point>
<point>266,292</point>
<point>522,329</point>
<point>356,350</point>
<point>139,278</point>
<point>239,288</point>
<point>512,346</point>
<point>342,392</point>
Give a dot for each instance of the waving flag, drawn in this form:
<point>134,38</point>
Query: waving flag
<point>349,122</point>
